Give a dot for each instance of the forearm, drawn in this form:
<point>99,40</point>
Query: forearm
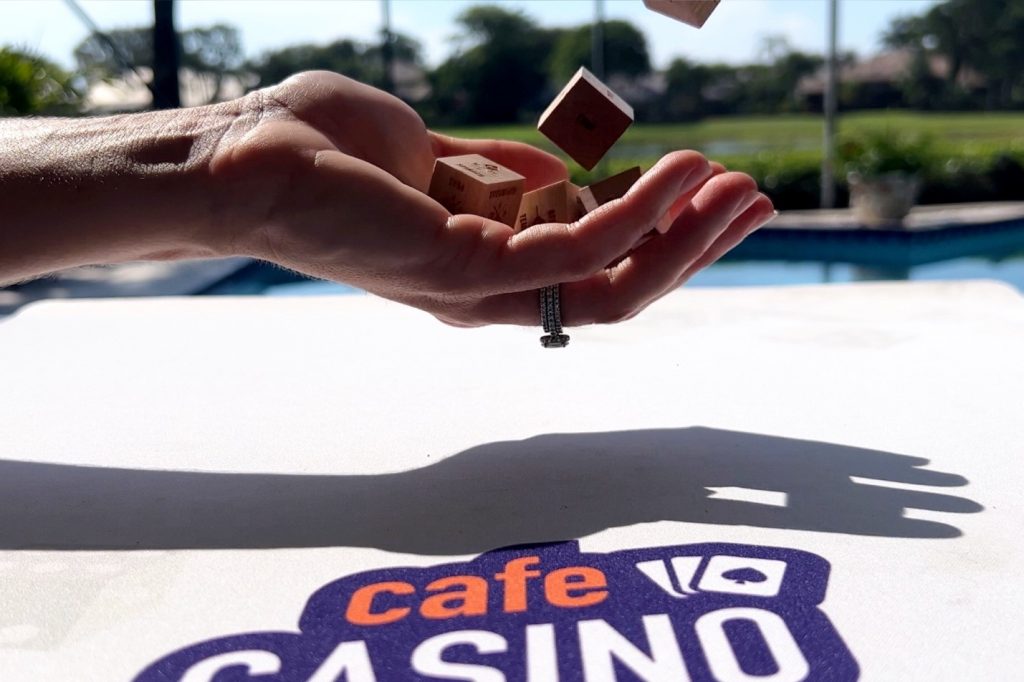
<point>105,190</point>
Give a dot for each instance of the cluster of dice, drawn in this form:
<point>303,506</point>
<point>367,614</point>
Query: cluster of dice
<point>584,120</point>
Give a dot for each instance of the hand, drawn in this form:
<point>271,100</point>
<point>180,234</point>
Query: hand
<point>334,173</point>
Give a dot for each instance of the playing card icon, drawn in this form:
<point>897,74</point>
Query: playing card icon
<point>686,576</point>
<point>673,576</point>
<point>742,576</point>
<point>749,576</point>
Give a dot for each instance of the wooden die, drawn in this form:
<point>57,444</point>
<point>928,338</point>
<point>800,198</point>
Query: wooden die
<point>586,119</point>
<point>474,184</point>
<point>603,191</point>
<point>692,12</point>
<point>555,203</point>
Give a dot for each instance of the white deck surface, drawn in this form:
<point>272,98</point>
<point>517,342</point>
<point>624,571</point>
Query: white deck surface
<point>921,218</point>
<point>177,470</point>
<point>141,278</point>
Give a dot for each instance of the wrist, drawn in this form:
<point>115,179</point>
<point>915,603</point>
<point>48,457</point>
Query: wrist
<point>105,190</point>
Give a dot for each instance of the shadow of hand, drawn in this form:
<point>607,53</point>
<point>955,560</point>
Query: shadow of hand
<point>548,487</point>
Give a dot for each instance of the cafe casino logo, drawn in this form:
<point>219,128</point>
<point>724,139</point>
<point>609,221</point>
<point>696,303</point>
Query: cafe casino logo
<point>548,613</point>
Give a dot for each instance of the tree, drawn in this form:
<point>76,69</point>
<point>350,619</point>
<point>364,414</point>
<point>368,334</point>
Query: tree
<point>625,51</point>
<point>97,60</point>
<point>685,82</point>
<point>497,73</point>
<point>213,53</point>
<point>342,56</point>
<point>983,35</point>
<point>30,84</point>
<point>361,61</point>
<point>404,48</point>
<point>694,90</point>
<point>921,89</point>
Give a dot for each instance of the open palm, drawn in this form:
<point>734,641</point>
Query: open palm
<point>340,170</point>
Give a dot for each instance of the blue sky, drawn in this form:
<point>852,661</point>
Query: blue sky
<point>734,33</point>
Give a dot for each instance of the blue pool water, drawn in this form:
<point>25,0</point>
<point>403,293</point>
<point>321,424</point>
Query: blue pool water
<point>754,273</point>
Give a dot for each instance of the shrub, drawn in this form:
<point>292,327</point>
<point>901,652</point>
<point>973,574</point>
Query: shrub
<point>29,84</point>
<point>793,179</point>
<point>876,152</point>
<point>950,173</point>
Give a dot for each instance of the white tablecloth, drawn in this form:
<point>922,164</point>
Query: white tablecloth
<point>769,484</point>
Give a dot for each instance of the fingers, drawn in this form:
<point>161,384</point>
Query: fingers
<point>682,202</point>
<point>558,252</point>
<point>759,214</point>
<point>648,272</point>
<point>537,166</point>
<point>618,293</point>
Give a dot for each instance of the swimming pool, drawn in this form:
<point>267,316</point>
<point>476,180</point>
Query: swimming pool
<point>731,273</point>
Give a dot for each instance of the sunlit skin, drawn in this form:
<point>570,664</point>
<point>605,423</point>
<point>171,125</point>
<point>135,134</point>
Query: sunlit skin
<point>327,176</point>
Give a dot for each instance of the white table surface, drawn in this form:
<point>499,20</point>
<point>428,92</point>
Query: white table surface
<point>180,470</point>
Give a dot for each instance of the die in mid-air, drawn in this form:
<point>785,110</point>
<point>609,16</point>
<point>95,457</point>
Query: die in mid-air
<point>586,119</point>
<point>692,12</point>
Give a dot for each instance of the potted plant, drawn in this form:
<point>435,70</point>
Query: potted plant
<point>883,171</point>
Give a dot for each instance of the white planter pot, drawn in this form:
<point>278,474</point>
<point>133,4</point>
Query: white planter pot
<point>884,200</point>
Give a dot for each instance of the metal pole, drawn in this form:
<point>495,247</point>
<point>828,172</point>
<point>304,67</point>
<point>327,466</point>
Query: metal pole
<point>166,57</point>
<point>386,49</point>
<point>828,180</point>
<point>120,56</point>
<point>597,40</point>
<point>597,65</point>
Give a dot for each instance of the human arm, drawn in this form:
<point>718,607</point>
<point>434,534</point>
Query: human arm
<point>327,176</point>
<point>106,190</point>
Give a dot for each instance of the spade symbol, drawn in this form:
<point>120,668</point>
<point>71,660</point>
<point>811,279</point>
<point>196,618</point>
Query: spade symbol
<point>742,576</point>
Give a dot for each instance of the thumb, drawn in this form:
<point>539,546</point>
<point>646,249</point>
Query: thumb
<point>537,166</point>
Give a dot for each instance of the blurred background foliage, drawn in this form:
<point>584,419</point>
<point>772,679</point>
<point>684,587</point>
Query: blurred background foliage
<point>877,152</point>
<point>30,84</point>
<point>214,53</point>
<point>953,73</point>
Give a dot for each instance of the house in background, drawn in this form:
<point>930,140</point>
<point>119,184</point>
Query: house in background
<point>882,81</point>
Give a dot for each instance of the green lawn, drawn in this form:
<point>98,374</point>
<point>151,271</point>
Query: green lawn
<point>734,138</point>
